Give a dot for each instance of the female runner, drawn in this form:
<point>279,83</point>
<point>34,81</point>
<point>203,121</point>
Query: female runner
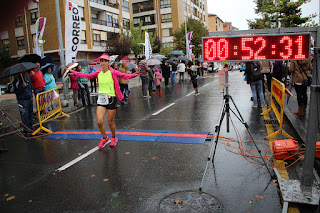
<point>107,101</point>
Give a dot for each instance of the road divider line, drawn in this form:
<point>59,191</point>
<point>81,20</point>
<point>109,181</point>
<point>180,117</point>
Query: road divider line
<point>205,85</point>
<point>190,93</point>
<point>79,158</point>
<point>156,113</point>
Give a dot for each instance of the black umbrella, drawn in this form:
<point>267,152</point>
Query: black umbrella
<point>172,59</point>
<point>176,52</point>
<point>84,63</point>
<point>182,58</point>
<point>18,68</point>
<point>30,58</point>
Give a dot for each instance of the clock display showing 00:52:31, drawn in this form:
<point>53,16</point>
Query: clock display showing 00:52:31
<point>251,48</point>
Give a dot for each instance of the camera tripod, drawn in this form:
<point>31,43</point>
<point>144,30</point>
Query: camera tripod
<point>225,111</point>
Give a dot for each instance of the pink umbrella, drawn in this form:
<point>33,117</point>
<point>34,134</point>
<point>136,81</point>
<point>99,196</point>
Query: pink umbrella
<point>98,59</point>
<point>125,58</point>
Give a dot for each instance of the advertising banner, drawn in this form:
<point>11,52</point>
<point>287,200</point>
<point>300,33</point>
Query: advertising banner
<point>147,46</point>
<point>72,31</point>
<point>189,44</point>
<point>40,25</point>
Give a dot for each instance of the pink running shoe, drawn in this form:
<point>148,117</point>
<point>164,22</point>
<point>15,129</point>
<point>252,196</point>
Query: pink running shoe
<point>103,142</point>
<point>113,141</point>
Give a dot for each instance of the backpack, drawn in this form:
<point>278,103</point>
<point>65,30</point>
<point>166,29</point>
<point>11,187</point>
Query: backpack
<point>255,72</point>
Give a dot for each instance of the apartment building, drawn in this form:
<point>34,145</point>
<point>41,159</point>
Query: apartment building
<point>163,17</point>
<point>215,23</point>
<point>228,26</point>
<point>100,21</point>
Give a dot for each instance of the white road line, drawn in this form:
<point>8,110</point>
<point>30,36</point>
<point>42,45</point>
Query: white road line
<point>190,93</point>
<point>156,113</point>
<point>205,85</point>
<point>79,158</point>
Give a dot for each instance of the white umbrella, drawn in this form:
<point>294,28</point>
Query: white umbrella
<point>153,61</point>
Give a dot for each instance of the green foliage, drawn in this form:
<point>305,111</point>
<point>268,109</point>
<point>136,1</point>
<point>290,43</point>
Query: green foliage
<point>199,31</point>
<point>287,12</point>
<point>166,48</point>
<point>135,36</point>
<point>118,45</point>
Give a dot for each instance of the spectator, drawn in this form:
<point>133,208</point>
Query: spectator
<point>254,78</point>
<point>157,80</point>
<point>181,70</point>
<point>165,72</point>
<point>50,80</point>
<point>277,70</point>
<point>93,82</point>
<point>83,85</point>
<point>37,79</point>
<point>124,83</point>
<point>23,89</point>
<point>266,70</point>
<point>74,86</point>
<point>144,75</point>
<point>174,72</point>
<point>300,69</point>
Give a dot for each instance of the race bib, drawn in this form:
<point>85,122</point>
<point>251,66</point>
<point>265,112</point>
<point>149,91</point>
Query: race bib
<point>103,99</point>
<point>194,68</point>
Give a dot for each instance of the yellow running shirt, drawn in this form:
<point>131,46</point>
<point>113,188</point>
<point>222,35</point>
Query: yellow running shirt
<point>106,84</point>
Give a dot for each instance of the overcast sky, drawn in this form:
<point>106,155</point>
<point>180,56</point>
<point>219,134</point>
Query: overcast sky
<point>238,11</point>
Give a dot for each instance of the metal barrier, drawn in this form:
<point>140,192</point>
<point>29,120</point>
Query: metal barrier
<point>277,104</point>
<point>48,105</point>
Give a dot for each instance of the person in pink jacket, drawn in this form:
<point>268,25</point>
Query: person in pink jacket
<point>109,90</point>
<point>157,80</point>
<point>74,86</point>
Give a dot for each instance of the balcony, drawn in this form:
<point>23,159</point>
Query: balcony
<point>98,21</point>
<point>110,3</point>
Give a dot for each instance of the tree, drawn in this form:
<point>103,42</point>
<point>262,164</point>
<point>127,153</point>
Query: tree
<point>287,12</point>
<point>166,48</point>
<point>135,36</point>
<point>199,31</point>
<point>118,45</point>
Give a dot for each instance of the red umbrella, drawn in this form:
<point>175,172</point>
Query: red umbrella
<point>125,58</point>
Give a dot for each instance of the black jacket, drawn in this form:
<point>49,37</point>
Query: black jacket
<point>23,93</point>
<point>165,71</point>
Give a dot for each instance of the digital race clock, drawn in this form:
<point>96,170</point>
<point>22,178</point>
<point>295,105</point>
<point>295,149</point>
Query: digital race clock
<point>256,48</point>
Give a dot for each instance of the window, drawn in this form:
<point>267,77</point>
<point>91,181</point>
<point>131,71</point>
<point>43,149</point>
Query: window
<point>34,16</point>
<point>147,19</point>
<point>166,18</point>
<point>99,1</point>
<point>165,3</point>
<point>19,21</point>
<point>83,37</point>
<point>136,21</point>
<point>143,6</point>
<point>96,39</point>
<point>6,44</point>
<point>167,32</point>
<point>126,23</point>
<point>20,42</point>
<point>125,5</point>
<point>81,13</point>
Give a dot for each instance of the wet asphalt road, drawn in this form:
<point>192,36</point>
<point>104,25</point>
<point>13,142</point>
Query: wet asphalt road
<point>135,176</point>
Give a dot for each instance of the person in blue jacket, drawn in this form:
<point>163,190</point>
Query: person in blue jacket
<point>23,89</point>
<point>50,80</point>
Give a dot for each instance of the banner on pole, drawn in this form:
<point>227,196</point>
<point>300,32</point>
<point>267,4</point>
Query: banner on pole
<point>147,46</point>
<point>72,31</point>
<point>189,44</point>
<point>40,25</point>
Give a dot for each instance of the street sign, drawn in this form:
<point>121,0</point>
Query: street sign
<point>256,48</point>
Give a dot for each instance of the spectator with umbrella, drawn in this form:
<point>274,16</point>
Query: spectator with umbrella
<point>23,89</point>
<point>144,75</point>
<point>49,79</point>
<point>165,72</point>
<point>83,86</point>
<point>37,79</point>
<point>181,70</point>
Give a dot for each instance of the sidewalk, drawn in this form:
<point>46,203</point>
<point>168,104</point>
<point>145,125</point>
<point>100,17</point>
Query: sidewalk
<point>9,103</point>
